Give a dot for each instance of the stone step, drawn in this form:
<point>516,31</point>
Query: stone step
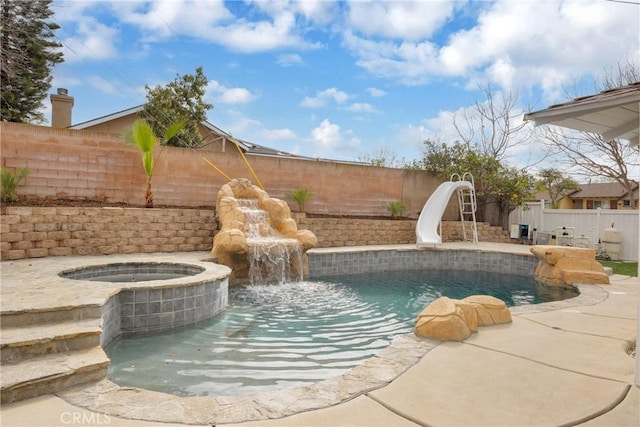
<point>51,373</point>
<point>50,315</point>
<point>19,343</point>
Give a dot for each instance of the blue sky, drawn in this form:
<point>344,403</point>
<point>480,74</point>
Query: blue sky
<point>344,79</point>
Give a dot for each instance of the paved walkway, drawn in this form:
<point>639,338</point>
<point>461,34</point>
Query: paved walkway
<point>557,364</point>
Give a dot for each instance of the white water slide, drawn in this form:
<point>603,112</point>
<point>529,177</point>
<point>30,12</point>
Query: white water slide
<point>431,215</point>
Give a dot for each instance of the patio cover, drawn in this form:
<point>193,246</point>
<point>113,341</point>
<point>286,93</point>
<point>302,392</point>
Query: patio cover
<point>613,113</point>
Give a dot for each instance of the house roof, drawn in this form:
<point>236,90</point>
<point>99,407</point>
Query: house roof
<point>593,190</point>
<point>613,113</point>
<point>613,190</point>
<point>247,147</point>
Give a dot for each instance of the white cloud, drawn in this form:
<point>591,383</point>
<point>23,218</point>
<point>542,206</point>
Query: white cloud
<point>317,11</point>
<point>250,37</point>
<point>375,92</point>
<point>330,140</point>
<point>407,20</point>
<point>104,85</point>
<point>276,134</point>
<point>512,43</point>
<point>243,127</point>
<point>89,40</point>
<point>289,59</point>
<point>322,98</point>
<point>221,94</point>
<point>211,21</point>
<point>165,18</point>
<point>65,82</point>
<point>361,107</point>
<point>411,63</point>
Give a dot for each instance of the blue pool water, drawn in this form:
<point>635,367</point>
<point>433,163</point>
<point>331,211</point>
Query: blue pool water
<point>275,336</point>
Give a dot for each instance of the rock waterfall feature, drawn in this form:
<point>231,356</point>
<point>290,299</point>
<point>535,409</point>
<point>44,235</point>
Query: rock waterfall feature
<point>566,266</point>
<point>258,239</point>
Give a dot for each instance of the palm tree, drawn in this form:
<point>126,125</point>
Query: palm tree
<point>142,136</point>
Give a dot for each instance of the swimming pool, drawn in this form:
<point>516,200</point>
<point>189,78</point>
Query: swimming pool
<point>277,336</point>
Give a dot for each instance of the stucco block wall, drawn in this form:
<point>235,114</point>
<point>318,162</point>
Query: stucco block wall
<point>80,164</point>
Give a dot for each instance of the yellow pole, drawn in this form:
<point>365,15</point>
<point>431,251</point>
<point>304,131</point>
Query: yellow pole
<point>247,162</point>
<point>216,168</point>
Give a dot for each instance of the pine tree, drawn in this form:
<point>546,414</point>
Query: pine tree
<point>28,52</point>
<point>182,99</point>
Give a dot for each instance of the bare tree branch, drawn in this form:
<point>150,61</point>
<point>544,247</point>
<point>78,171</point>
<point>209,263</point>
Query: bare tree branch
<point>591,156</point>
<point>492,125</point>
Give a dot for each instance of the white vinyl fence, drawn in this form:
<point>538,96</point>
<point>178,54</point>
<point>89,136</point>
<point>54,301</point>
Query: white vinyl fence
<point>588,223</point>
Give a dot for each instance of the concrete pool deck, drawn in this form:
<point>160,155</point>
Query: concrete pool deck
<point>562,363</point>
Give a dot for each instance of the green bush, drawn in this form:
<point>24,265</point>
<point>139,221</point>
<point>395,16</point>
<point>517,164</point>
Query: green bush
<point>301,196</point>
<point>396,208</point>
<point>10,181</point>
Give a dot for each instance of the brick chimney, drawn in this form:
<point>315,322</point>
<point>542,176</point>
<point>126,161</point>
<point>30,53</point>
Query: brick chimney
<point>61,105</point>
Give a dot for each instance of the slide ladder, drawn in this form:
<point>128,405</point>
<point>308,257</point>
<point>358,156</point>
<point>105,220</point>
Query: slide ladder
<point>467,204</point>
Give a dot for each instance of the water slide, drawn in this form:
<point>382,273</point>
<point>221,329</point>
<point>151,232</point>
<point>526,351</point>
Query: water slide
<point>429,220</point>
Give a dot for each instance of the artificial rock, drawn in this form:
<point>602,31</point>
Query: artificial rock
<point>448,319</point>
<point>230,245</point>
<point>566,266</point>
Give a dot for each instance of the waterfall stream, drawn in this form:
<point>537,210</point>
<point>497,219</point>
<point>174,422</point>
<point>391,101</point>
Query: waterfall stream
<point>272,257</point>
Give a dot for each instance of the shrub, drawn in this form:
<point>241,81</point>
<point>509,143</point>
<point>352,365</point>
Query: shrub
<point>396,208</point>
<point>142,136</point>
<point>301,196</point>
<point>10,181</point>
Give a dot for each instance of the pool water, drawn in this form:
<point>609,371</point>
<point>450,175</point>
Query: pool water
<point>275,336</point>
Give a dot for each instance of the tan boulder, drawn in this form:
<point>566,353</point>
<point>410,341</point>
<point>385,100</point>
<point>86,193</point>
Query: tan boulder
<point>490,310</point>
<point>449,319</point>
<point>278,211</point>
<point>565,266</point>
<point>551,254</point>
<point>584,277</point>
<point>288,227</point>
<point>443,320</point>
<point>470,314</point>
<point>307,238</point>
<point>230,241</point>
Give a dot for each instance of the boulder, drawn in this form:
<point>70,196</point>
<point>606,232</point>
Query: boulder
<point>447,319</point>
<point>565,266</point>
<point>230,241</point>
<point>307,238</point>
<point>490,310</point>
<point>443,320</point>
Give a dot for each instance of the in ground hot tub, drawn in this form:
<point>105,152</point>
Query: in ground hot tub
<point>151,296</point>
<point>132,272</point>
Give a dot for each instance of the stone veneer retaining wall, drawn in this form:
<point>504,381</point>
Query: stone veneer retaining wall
<point>36,232</point>
<point>338,232</point>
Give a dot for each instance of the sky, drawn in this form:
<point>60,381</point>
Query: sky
<point>343,80</point>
